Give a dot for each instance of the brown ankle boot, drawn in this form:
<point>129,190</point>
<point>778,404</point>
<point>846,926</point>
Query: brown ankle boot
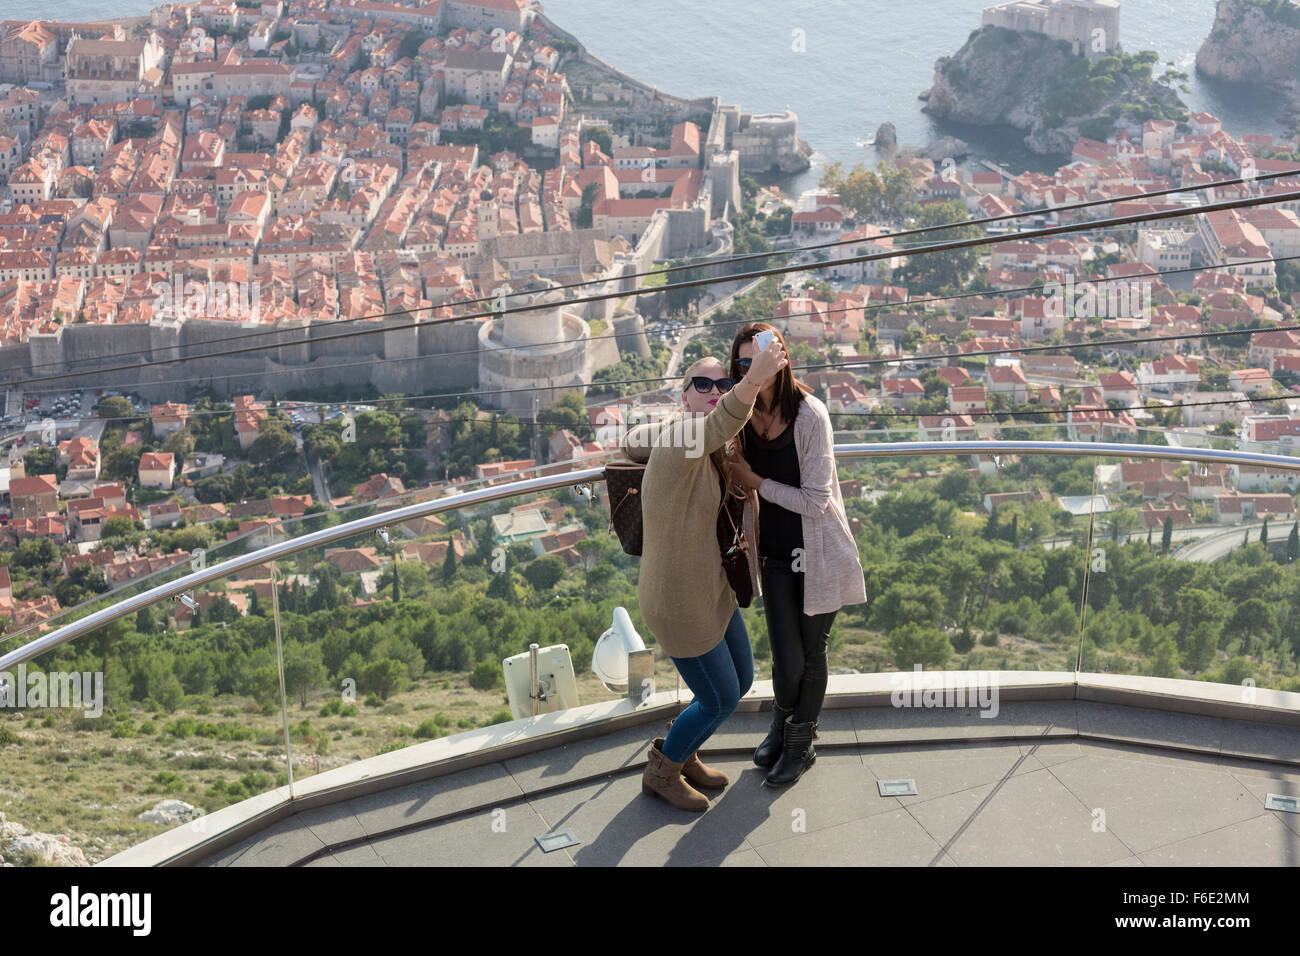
<point>702,775</point>
<point>699,774</point>
<point>664,777</point>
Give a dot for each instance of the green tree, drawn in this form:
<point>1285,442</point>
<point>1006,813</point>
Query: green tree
<point>449,565</point>
<point>780,222</point>
<point>303,671</point>
<point>320,443</point>
<point>914,644</point>
<point>1201,644</point>
<point>592,552</point>
<point>940,271</point>
<point>274,448</point>
<point>914,508</point>
<point>544,573</point>
<point>502,585</point>
<point>567,412</point>
<point>1198,606</point>
<point>80,583</point>
<point>115,406</point>
<point>868,194</point>
<point>906,603</point>
<point>180,444</point>
<point>1167,535</point>
<point>586,207</point>
<point>600,578</point>
<point>1293,543</point>
<point>680,301</point>
<point>601,137</point>
<point>35,553</point>
<point>1252,620</point>
<point>118,527</point>
<point>40,460</point>
<point>1165,661</point>
<point>384,677</point>
<point>124,463</point>
<point>485,675</point>
<point>222,611</point>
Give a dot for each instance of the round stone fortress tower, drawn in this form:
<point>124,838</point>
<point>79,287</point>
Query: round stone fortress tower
<point>542,349</point>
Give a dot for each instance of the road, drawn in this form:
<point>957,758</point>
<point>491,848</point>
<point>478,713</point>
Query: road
<point>1204,543</point>
<point>733,290</point>
<point>1059,382</point>
<point>322,487</point>
<point>1219,545</point>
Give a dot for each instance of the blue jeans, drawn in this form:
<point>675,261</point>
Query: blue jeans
<point>718,680</point>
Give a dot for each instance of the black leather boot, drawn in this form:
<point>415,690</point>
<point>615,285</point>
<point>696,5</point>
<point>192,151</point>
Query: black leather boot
<point>770,749</point>
<point>797,755</point>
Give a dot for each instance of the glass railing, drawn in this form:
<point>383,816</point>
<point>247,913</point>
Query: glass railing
<point>191,546</point>
<point>1003,552</point>
<point>153,721</point>
<point>1161,561</point>
<point>217,686</point>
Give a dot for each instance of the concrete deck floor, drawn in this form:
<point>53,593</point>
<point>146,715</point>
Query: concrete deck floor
<point>1065,782</point>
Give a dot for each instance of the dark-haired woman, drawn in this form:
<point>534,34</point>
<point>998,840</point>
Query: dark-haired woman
<point>809,560</point>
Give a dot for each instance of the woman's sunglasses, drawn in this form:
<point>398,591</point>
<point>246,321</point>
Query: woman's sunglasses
<point>703,384</point>
<point>745,363</point>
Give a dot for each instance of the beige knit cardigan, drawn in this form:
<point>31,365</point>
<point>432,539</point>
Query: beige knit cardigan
<point>684,595</point>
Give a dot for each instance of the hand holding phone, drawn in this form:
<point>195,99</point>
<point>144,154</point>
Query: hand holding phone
<point>766,362</point>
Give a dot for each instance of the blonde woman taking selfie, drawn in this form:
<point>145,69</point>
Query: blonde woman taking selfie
<point>685,597</point>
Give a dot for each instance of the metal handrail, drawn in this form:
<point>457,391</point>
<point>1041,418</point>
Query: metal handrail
<point>325,536</point>
<point>904,449</point>
<point>380,503</point>
<point>284,549</point>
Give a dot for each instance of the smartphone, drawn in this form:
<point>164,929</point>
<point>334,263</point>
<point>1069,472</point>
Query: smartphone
<point>763,339</point>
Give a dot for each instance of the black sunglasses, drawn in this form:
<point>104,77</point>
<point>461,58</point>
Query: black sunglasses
<point>703,384</point>
<point>745,363</point>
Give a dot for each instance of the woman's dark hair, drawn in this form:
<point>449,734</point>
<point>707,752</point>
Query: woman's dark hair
<point>789,390</point>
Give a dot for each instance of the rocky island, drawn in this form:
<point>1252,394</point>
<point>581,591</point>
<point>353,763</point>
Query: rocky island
<point>1081,83</point>
<point>1256,41</point>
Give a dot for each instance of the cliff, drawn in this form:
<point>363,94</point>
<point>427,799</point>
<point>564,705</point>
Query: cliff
<point>1255,41</point>
<point>1037,84</point>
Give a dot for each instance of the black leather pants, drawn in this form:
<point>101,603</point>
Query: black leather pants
<point>798,642</point>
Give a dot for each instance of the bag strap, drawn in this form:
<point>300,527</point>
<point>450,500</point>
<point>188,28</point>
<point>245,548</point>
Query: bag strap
<point>621,501</point>
<point>737,533</point>
<point>630,468</point>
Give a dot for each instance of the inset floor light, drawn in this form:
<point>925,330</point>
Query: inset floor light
<point>897,788</point>
<point>1276,801</point>
<point>557,840</point>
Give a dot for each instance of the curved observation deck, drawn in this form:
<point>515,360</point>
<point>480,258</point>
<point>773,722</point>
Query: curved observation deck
<point>1069,746</point>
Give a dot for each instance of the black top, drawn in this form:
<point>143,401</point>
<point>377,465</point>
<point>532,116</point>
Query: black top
<point>780,531</point>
